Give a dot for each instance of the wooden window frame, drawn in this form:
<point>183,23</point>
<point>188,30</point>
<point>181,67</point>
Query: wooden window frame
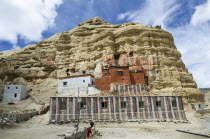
<point>104,105</point>
<point>120,73</point>
<point>158,103</point>
<point>141,104</point>
<point>123,104</point>
<point>174,104</point>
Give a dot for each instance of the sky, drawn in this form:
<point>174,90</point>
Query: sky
<point>26,22</point>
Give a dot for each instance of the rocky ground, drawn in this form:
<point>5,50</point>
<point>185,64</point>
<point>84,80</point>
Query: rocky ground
<point>38,128</point>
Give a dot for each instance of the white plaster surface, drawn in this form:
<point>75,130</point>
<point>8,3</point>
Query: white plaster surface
<point>77,86</point>
<point>93,90</point>
<point>11,90</point>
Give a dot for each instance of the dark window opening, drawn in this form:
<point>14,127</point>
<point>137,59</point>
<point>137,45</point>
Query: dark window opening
<point>141,104</point>
<point>146,80</point>
<point>123,104</point>
<point>119,73</point>
<point>199,106</point>
<point>64,83</point>
<point>15,95</point>
<point>63,106</point>
<point>8,87</point>
<point>131,54</point>
<point>104,105</point>
<point>82,105</point>
<point>16,87</point>
<point>16,67</point>
<point>72,70</point>
<point>116,57</point>
<point>83,81</point>
<point>93,82</point>
<point>174,103</point>
<point>67,70</point>
<point>83,72</point>
<point>158,103</point>
<point>105,74</point>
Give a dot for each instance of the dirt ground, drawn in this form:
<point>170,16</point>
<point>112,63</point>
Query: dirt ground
<point>38,128</point>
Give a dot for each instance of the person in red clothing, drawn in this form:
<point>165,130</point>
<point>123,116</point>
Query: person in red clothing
<point>89,131</point>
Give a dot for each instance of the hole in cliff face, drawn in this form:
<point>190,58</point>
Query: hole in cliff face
<point>116,57</point>
<point>146,79</point>
<point>131,54</point>
<point>83,72</point>
<point>72,70</point>
<point>16,67</point>
<point>67,72</point>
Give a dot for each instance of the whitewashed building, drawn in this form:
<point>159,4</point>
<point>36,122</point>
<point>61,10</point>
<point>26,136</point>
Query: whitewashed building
<point>77,85</point>
<point>14,92</point>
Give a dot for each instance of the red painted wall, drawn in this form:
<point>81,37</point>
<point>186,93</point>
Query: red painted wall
<point>137,77</point>
<point>111,76</point>
<point>103,83</point>
<point>116,79</point>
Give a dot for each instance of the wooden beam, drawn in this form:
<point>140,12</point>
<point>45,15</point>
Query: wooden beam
<point>198,134</point>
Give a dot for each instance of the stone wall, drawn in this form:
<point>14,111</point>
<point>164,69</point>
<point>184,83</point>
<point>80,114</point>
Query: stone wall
<point>83,134</point>
<point>18,117</point>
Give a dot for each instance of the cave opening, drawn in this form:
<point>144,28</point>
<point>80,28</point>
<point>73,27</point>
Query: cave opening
<point>131,54</point>
<point>83,72</point>
<point>146,79</point>
<point>116,57</point>
<point>67,72</point>
<point>73,70</point>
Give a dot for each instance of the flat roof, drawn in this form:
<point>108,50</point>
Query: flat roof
<point>75,76</point>
<point>119,66</point>
<point>114,96</point>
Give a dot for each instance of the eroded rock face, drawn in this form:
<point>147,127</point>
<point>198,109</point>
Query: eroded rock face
<point>78,51</point>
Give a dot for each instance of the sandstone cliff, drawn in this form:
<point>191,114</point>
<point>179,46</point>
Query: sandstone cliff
<point>77,51</point>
